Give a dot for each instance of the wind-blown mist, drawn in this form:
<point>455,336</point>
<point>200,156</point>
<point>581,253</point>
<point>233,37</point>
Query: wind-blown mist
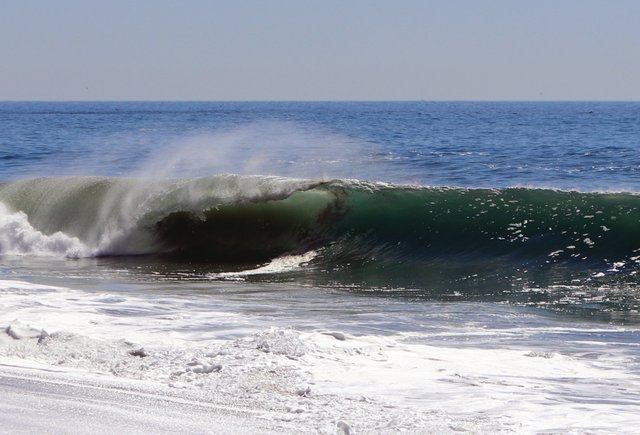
<point>265,148</point>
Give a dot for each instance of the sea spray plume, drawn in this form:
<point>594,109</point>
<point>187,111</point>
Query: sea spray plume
<point>263,147</point>
<point>267,147</point>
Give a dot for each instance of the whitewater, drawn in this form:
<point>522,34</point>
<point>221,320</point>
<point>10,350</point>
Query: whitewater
<point>319,267</point>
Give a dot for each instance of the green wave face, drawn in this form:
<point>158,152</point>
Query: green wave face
<point>433,240</point>
<point>533,246</point>
<point>515,223</point>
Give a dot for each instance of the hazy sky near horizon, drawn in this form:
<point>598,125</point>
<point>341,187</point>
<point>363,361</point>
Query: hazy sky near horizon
<point>320,50</point>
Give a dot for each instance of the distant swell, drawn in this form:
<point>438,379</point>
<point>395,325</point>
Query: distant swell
<point>363,232</point>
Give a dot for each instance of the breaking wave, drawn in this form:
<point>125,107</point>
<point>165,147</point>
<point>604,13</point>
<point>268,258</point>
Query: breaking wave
<point>359,232</point>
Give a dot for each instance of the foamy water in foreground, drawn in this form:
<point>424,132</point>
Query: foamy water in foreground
<point>371,363</point>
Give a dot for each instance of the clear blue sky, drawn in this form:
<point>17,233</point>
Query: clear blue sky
<point>320,50</point>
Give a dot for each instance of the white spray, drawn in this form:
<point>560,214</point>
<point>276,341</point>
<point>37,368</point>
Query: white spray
<point>18,237</point>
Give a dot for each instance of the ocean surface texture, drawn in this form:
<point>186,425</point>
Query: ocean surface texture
<point>341,267</point>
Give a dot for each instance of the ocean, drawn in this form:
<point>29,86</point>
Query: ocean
<point>340,267</point>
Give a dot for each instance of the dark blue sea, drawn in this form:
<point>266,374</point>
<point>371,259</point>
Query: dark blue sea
<point>571,146</point>
<point>506,232</point>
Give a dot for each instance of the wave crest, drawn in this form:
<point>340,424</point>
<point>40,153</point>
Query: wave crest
<point>18,237</point>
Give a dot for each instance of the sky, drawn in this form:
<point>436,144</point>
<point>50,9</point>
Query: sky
<point>320,50</point>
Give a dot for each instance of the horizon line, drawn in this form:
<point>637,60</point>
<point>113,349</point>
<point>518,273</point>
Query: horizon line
<point>314,101</point>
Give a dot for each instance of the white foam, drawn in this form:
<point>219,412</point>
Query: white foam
<point>371,383</point>
<point>283,264</point>
<point>513,383</point>
<point>262,371</point>
<point>19,237</point>
<point>436,379</point>
<point>9,284</point>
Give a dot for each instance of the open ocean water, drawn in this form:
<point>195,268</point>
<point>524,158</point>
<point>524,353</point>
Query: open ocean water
<point>419,266</point>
